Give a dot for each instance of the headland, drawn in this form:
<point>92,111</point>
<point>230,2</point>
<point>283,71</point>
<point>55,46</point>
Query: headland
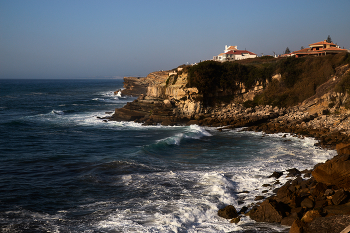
<point>307,97</point>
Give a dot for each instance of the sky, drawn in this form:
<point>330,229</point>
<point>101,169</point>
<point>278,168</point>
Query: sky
<point>117,38</point>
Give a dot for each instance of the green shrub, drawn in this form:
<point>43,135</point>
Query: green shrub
<point>300,78</point>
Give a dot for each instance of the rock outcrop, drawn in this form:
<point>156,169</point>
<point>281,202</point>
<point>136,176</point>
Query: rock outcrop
<point>165,100</point>
<point>135,86</point>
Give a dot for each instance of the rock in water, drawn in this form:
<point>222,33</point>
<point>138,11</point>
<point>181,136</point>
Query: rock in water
<point>228,212</point>
<point>276,175</point>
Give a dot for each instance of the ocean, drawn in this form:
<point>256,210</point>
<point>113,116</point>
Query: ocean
<point>64,169</point>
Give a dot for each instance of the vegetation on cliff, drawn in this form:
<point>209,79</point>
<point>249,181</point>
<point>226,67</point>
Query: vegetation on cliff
<point>300,78</point>
<point>215,79</point>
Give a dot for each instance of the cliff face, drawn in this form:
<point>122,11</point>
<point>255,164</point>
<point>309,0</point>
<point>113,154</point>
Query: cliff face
<point>163,98</point>
<point>134,86</point>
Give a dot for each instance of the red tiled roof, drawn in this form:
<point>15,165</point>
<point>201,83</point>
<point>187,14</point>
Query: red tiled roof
<point>302,50</point>
<point>239,52</point>
<point>334,49</point>
<point>321,43</point>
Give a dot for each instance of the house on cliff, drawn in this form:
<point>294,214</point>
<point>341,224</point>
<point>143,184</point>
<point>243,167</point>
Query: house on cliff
<point>319,49</point>
<point>231,53</point>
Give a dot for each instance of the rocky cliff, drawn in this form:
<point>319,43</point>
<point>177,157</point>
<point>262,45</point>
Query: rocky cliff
<point>134,86</point>
<point>165,98</point>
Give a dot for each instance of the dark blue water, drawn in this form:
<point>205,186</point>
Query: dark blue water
<point>64,169</point>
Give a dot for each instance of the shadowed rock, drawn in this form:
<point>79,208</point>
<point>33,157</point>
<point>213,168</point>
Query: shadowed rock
<point>228,212</point>
<point>268,211</point>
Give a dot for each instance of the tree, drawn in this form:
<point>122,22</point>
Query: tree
<point>302,47</point>
<point>287,51</point>
<point>329,39</point>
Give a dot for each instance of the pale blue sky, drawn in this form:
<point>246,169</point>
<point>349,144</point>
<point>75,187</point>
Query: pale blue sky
<point>90,38</point>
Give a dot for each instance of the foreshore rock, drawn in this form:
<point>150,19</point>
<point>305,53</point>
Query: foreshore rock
<point>318,204</point>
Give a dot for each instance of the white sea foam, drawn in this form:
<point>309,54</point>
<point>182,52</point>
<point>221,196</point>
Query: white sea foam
<point>58,112</point>
<point>191,132</point>
<point>196,209</point>
<point>119,94</point>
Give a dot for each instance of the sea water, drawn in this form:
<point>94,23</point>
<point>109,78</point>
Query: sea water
<point>64,169</point>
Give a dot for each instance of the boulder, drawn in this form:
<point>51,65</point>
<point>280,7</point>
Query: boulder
<point>288,221</point>
<point>293,172</point>
<point>267,211</point>
<point>276,175</point>
<point>320,203</point>
<point>228,212</point>
<point>258,198</point>
<point>319,190</point>
<point>334,172</point>
<point>339,196</point>
<point>307,203</point>
<point>243,210</point>
<point>310,216</point>
<point>297,227</point>
<point>236,220</point>
<point>343,148</point>
<point>288,197</point>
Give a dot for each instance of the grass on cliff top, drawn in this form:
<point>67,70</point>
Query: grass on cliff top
<point>300,78</point>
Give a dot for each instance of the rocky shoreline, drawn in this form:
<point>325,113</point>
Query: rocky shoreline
<point>317,200</point>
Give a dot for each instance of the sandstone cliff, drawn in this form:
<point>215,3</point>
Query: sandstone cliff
<point>165,98</point>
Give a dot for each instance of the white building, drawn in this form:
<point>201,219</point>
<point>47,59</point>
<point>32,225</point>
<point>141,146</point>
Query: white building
<point>231,53</point>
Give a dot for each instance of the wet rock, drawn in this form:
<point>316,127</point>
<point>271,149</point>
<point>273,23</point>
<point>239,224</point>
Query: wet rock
<point>268,211</point>
<point>297,181</point>
<point>228,212</point>
<point>236,220</point>
<point>293,172</point>
<point>243,210</point>
<point>258,198</point>
<point>276,175</point>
